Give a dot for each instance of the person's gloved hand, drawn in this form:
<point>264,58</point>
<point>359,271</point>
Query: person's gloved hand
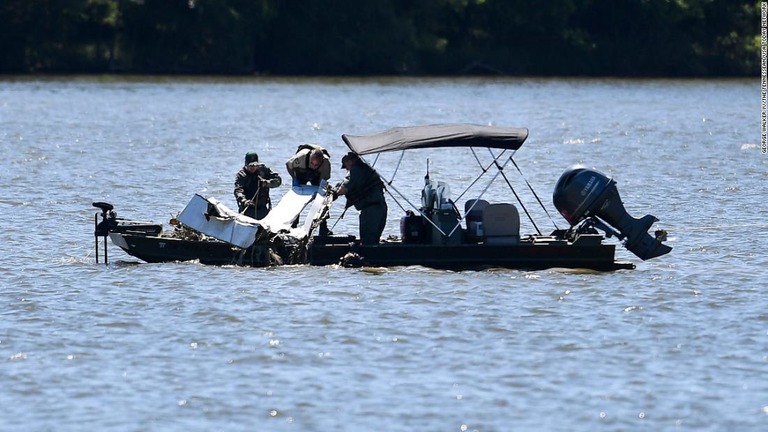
<point>248,203</point>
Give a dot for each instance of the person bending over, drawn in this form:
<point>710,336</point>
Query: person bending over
<point>310,164</point>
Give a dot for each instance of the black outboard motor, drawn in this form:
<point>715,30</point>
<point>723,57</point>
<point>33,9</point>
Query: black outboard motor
<point>582,194</point>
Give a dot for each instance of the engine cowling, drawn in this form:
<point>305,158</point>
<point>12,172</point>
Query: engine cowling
<point>583,193</point>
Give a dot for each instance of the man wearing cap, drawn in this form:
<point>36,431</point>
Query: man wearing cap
<point>252,185</point>
<point>364,190</point>
<point>310,164</point>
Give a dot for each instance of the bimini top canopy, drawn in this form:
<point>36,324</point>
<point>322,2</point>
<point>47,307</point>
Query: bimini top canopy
<point>443,135</point>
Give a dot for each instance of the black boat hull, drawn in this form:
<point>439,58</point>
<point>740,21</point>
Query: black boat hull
<point>157,249</point>
<point>533,255</point>
<point>524,256</point>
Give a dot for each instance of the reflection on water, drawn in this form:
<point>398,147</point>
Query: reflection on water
<point>674,343</point>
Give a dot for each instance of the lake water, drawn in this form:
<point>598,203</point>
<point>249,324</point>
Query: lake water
<point>679,343</point>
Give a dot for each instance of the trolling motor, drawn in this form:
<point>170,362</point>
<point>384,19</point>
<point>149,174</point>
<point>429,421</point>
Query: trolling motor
<point>102,229</point>
<point>583,194</point>
<point>110,223</point>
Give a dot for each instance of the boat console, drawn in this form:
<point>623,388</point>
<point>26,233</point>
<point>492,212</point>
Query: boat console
<point>437,221</point>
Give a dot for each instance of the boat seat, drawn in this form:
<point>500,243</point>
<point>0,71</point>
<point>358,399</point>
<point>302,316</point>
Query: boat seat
<point>473,214</point>
<point>501,224</point>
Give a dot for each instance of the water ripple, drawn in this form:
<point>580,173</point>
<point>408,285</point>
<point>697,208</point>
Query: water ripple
<point>675,343</point>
